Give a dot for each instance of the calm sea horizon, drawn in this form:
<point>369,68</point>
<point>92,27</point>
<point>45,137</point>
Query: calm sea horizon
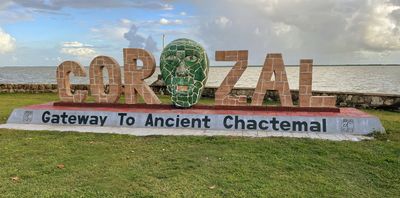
<point>344,78</point>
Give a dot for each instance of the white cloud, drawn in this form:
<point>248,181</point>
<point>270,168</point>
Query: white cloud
<point>21,10</point>
<point>257,31</point>
<point>178,21</point>
<point>281,28</point>
<point>10,16</point>
<point>382,32</point>
<point>53,59</point>
<point>60,4</point>
<point>323,30</point>
<point>164,21</point>
<point>78,49</point>
<point>126,21</point>
<point>4,4</point>
<point>7,42</point>
<point>75,44</point>
<point>112,31</point>
<point>330,31</point>
<point>223,21</point>
<point>167,7</point>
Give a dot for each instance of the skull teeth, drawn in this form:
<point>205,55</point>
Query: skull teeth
<point>181,88</point>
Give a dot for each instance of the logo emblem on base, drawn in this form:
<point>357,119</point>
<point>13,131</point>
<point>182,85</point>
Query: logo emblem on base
<point>347,125</point>
<point>27,118</point>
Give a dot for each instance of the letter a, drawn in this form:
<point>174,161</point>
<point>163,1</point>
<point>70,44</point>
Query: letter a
<point>273,65</point>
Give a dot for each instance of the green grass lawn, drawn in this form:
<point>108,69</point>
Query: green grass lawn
<point>105,165</point>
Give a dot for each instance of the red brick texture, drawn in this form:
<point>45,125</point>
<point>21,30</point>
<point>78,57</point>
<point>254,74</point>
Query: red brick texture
<point>273,65</point>
<point>305,88</point>
<point>64,85</point>
<point>134,77</point>
<point>222,96</point>
<point>96,79</point>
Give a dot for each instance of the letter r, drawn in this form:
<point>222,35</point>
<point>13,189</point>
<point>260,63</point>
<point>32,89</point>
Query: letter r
<point>134,77</point>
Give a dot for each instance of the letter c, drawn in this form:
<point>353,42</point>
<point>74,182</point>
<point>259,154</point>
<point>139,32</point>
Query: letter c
<point>261,126</point>
<point>228,126</point>
<point>168,123</point>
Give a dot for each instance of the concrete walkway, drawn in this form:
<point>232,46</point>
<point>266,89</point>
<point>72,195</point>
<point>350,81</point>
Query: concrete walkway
<point>178,132</point>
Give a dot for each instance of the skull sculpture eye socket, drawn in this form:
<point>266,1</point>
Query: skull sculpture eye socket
<point>184,68</point>
<point>191,59</point>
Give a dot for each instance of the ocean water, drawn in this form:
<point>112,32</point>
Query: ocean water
<point>362,79</point>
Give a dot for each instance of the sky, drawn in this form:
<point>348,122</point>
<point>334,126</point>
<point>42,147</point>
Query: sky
<point>47,32</point>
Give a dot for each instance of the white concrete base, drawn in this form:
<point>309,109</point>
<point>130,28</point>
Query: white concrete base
<point>183,132</point>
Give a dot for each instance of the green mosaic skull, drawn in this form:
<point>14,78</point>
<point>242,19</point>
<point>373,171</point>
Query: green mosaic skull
<point>184,68</point>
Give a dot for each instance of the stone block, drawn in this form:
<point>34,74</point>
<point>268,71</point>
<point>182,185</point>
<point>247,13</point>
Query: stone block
<point>96,79</point>
<point>388,102</point>
<point>316,101</point>
<point>329,101</point>
<point>134,77</point>
<point>273,65</point>
<point>305,88</point>
<point>222,96</point>
<point>63,82</point>
<point>376,101</point>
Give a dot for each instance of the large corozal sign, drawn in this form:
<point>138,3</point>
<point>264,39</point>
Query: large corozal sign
<point>184,67</point>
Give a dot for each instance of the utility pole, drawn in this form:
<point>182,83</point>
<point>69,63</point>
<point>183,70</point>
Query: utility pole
<point>163,41</point>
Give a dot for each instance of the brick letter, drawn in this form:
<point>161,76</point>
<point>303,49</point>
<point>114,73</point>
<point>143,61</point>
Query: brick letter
<point>64,85</point>
<point>134,77</point>
<point>222,96</point>
<point>305,88</point>
<point>96,79</point>
<point>273,65</point>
